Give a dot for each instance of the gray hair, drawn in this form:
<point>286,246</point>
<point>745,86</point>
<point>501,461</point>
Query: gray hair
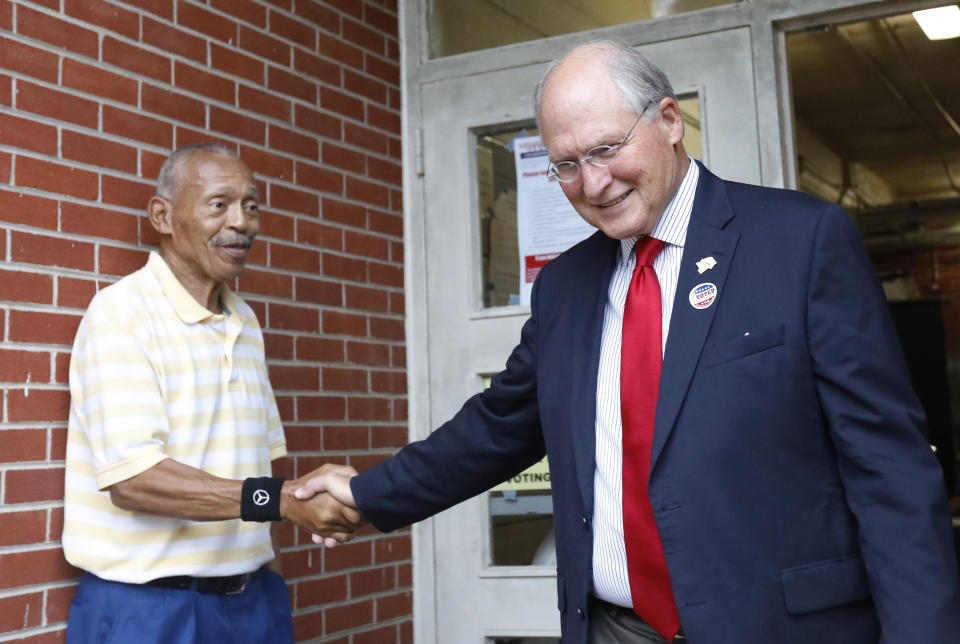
<point>169,175</point>
<point>640,81</point>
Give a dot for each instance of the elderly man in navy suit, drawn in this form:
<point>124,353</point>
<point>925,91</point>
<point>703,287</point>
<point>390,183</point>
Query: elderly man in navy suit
<point>735,450</point>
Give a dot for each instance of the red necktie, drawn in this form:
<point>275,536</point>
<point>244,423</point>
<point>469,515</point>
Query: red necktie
<point>640,360</point>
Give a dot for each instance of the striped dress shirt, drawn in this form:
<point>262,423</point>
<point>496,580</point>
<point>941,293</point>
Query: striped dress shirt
<point>611,582</point>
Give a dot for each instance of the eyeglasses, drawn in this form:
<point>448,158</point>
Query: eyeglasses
<point>600,156</point>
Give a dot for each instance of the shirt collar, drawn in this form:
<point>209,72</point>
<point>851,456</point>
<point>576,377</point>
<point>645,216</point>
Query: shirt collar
<point>187,309</point>
<point>672,227</point>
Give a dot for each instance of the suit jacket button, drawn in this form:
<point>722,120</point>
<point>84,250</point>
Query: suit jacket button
<point>581,613</point>
<point>586,524</point>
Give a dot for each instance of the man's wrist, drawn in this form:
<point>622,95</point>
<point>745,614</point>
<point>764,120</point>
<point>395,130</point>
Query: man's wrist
<point>260,499</point>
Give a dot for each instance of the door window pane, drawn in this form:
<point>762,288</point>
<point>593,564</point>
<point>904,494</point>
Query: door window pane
<point>497,193</point>
<point>458,26</point>
<point>521,520</point>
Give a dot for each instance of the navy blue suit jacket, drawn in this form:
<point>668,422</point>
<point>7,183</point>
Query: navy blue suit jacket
<point>794,490</point>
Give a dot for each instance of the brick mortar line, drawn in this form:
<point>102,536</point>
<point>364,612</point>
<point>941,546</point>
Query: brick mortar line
<point>305,246</point>
<point>67,348</point>
<point>274,299</point>
<point>343,452</point>
<point>340,455</point>
<point>119,174</point>
<point>381,424</point>
<point>109,241</point>
<point>63,235</point>
<point>346,173</point>
<point>377,260</point>
<point>30,547</point>
<point>268,31</point>
<point>37,307</point>
<point>349,200</point>
<point>318,365</point>
<point>15,591</point>
<point>79,165</point>
<point>302,547</point>
<point>356,395</point>
<point>44,425</point>
<point>207,101</point>
<point>139,145</point>
<point>371,539</point>
<point>29,505</point>
<point>25,424</point>
<point>337,636</point>
<point>309,610</point>
<point>64,54</point>
<point>301,19</point>
<point>59,271</point>
<point>35,630</point>
<point>341,336</point>
<point>260,297</point>
<point>2,347</point>
<point>102,31</point>
<point>35,192</point>
<point>292,362</point>
<point>41,386</point>
<point>75,127</point>
<point>382,451</point>
<point>33,307</point>
<point>298,216</point>
<point>67,271</point>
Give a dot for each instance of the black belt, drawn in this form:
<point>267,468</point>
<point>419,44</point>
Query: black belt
<point>232,585</point>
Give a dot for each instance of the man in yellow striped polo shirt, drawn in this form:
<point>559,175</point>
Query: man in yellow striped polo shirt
<point>173,425</point>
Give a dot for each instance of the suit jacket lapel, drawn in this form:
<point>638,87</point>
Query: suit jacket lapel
<point>689,326</point>
<point>585,335</point>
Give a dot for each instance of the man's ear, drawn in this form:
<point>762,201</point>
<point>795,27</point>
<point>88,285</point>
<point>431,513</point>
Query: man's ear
<point>159,211</point>
<point>671,120</point>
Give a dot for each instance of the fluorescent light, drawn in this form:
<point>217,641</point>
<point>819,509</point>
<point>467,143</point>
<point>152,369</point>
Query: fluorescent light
<point>939,23</point>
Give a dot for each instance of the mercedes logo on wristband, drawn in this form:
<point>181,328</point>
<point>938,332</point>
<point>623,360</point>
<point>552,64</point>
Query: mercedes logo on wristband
<point>260,498</point>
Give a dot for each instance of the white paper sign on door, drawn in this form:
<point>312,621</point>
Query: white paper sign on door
<point>547,224</point>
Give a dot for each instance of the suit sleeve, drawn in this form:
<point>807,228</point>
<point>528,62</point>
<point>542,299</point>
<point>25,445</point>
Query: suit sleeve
<point>891,478</point>
<point>495,435</point>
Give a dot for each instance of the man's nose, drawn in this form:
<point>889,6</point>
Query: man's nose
<point>237,217</point>
<point>595,180</point>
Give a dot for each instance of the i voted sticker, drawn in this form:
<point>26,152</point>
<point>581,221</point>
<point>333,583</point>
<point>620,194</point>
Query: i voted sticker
<point>703,295</point>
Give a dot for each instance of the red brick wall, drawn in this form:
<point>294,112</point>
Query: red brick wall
<point>93,95</point>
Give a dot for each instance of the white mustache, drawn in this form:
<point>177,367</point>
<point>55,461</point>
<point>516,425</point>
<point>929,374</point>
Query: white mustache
<point>232,240</point>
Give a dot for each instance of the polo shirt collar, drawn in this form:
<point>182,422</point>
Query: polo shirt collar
<point>187,309</point>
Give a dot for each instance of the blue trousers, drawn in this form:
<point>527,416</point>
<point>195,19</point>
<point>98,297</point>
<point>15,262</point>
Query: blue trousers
<point>109,612</point>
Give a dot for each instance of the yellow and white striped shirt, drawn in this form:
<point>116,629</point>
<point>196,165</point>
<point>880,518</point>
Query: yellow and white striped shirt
<point>155,375</point>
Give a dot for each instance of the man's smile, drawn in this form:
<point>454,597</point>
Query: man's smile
<point>614,202</point>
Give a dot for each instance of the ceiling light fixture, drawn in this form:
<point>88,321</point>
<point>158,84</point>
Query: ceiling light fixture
<point>940,23</point>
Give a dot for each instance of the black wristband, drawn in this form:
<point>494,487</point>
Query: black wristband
<point>260,499</point>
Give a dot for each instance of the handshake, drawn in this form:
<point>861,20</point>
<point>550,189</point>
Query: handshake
<point>322,503</point>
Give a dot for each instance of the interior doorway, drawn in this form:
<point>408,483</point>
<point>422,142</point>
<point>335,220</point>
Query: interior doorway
<point>876,111</point>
